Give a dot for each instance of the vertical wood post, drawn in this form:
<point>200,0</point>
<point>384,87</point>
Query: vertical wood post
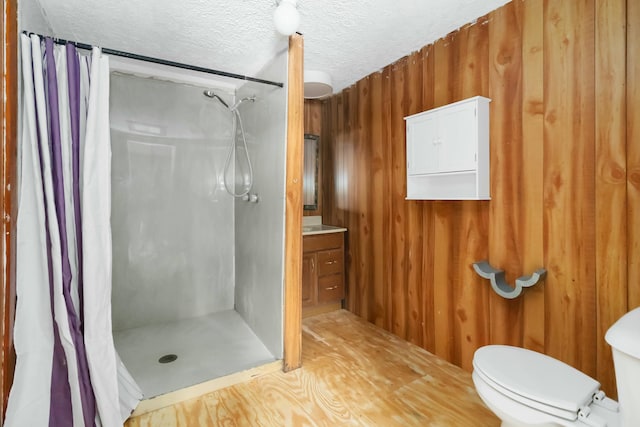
<point>293,208</point>
<point>9,106</point>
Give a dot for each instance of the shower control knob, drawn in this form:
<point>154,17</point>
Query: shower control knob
<point>254,198</point>
<point>245,198</point>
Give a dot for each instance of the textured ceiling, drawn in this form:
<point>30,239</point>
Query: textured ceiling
<point>347,39</point>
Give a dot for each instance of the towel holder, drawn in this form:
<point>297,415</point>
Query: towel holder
<point>500,285</point>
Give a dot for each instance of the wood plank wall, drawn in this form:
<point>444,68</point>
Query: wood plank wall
<point>564,79</point>
<point>633,152</point>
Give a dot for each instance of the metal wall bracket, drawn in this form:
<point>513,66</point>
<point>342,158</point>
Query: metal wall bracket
<point>500,285</point>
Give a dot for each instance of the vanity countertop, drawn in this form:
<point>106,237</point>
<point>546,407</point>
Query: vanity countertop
<point>310,229</point>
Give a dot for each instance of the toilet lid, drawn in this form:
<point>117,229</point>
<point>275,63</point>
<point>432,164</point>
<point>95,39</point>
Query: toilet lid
<point>624,335</point>
<point>535,379</point>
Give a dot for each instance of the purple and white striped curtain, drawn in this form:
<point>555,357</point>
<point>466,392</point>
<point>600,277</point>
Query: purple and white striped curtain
<point>67,370</point>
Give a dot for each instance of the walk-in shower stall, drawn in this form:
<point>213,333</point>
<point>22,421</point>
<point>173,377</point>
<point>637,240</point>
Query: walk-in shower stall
<point>197,273</point>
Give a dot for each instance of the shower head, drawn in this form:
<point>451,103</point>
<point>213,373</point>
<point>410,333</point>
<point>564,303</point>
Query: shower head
<point>237,104</point>
<point>210,94</point>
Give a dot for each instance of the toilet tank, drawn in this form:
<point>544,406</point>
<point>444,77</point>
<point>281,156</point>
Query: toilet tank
<point>624,339</point>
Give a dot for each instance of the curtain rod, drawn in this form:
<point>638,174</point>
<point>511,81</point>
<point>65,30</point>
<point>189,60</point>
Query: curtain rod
<point>161,61</point>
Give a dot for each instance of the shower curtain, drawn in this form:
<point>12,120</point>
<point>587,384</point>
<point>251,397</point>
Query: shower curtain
<point>67,370</point>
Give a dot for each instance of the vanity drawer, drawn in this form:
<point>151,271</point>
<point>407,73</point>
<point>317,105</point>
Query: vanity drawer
<point>319,242</point>
<point>330,288</point>
<point>330,262</point>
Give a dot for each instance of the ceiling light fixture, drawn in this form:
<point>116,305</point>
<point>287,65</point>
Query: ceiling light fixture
<point>286,18</point>
<point>317,84</point>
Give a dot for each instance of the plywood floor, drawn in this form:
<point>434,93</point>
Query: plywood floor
<point>353,374</point>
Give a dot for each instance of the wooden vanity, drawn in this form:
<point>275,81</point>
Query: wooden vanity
<point>322,272</point>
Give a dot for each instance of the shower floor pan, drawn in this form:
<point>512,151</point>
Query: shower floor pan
<point>206,347</point>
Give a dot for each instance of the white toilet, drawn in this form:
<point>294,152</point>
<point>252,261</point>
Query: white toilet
<point>526,388</point>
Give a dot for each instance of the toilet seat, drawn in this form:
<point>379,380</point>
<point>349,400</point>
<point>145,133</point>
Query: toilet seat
<point>535,380</point>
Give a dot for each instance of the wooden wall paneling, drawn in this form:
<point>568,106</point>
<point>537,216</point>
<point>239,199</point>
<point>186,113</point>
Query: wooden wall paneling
<point>340,185</point>
<point>352,152</point>
<point>399,262</point>
<point>8,181</point>
<point>313,125</point>
<point>445,222</point>
<point>323,140</point>
<point>361,196</point>
<point>343,211</point>
<point>446,260</point>
<point>531,165</point>
<point>313,116</point>
<point>428,216</point>
<point>569,173</point>
<point>444,65</point>
<point>388,219</point>
<point>633,153</point>
<point>428,78</point>
<point>345,168</point>
<point>611,179</point>
<point>508,169</point>
<point>329,155</point>
<point>413,212</point>
<point>472,58</point>
<point>327,165</point>
<point>537,60</point>
<point>350,174</point>
<point>348,170</point>
<point>376,201</point>
<point>330,165</point>
<point>293,207</point>
<point>471,294</point>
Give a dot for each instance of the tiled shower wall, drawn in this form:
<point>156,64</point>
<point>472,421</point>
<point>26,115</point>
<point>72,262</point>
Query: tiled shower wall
<point>172,222</point>
<point>260,226</point>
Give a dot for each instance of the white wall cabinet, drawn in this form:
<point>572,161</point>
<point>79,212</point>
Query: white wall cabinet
<point>448,152</point>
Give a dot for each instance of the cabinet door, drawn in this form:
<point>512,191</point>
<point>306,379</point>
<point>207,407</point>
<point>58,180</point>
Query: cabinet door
<point>309,279</point>
<point>458,139</point>
<point>423,145</point>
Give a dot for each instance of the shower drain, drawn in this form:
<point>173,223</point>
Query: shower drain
<point>167,358</point>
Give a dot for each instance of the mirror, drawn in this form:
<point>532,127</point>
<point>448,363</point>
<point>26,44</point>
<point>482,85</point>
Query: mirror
<point>310,172</point>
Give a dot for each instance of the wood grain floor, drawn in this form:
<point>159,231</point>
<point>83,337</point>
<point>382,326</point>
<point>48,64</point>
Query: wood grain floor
<point>353,373</point>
